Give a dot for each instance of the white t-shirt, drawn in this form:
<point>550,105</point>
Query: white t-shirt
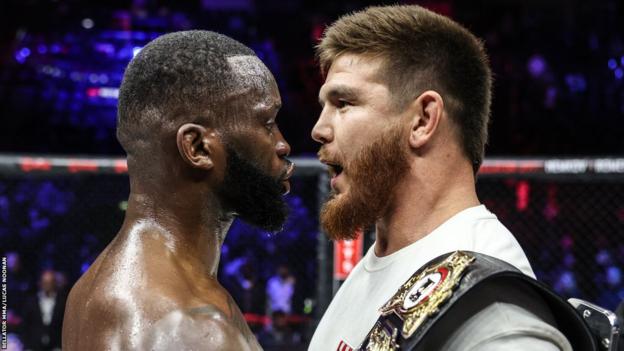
<point>374,280</point>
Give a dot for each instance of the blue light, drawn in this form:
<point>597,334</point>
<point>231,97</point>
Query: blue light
<point>136,50</point>
<point>22,54</point>
<point>622,60</point>
<point>576,82</point>
<point>75,76</point>
<point>612,63</point>
<point>619,73</point>
<point>19,58</point>
<point>93,78</point>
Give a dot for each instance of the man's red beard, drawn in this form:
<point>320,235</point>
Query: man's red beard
<point>373,176</point>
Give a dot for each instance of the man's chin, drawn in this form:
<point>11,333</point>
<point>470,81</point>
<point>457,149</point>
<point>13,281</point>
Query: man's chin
<point>338,218</point>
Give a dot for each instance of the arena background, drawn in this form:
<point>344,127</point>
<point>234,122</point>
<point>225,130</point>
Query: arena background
<point>553,173</point>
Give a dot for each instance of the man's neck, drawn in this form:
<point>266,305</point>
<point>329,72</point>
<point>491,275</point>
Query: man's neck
<point>182,223</point>
<point>423,202</point>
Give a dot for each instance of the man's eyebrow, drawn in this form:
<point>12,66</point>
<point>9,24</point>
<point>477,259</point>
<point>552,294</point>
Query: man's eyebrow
<point>273,107</point>
<point>339,91</point>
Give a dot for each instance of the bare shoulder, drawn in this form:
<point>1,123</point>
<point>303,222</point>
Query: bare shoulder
<point>205,328</point>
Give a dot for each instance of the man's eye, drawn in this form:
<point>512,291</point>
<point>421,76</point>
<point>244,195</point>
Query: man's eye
<point>343,104</point>
<point>270,125</point>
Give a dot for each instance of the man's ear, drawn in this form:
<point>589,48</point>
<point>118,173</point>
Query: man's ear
<point>428,111</point>
<point>197,145</point>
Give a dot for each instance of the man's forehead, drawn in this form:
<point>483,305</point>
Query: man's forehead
<point>249,67</point>
<point>251,77</point>
<point>365,66</point>
<point>348,73</point>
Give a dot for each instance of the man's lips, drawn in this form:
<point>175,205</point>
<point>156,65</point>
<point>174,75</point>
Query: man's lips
<point>334,168</point>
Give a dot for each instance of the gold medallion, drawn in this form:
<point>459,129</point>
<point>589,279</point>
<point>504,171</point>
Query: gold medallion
<point>420,297</point>
<point>381,340</point>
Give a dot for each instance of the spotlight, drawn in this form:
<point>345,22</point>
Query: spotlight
<point>87,23</point>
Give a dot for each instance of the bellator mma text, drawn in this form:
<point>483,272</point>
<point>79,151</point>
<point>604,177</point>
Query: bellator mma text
<point>4,303</point>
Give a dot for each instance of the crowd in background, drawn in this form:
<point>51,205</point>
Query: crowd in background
<point>571,230</point>
<point>558,66</point>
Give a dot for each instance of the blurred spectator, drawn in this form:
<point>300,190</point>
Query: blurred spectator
<point>15,273</point>
<point>43,315</point>
<point>565,282</point>
<point>280,335</point>
<point>280,290</point>
<point>243,284</point>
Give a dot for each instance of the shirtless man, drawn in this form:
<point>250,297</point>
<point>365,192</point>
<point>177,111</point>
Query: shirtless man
<point>197,120</point>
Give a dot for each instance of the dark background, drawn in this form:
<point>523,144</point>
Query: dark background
<point>559,67</point>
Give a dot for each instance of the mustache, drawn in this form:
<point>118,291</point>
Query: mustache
<point>324,155</point>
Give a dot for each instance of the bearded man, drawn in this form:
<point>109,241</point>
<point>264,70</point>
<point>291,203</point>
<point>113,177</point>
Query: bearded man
<point>403,126</point>
<point>197,119</point>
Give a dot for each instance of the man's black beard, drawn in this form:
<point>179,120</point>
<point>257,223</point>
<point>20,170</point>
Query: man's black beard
<point>252,194</point>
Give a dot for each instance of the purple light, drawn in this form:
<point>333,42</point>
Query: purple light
<point>19,58</point>
<point>42,49</point>
<point>576,82</point>
<point>536,65</point>
<point>105,48</point>
<point>612,63</point>
<point>75,76</point>
<point>93,78</point>
<point>622,60</point>
<point>619,73</point>
<point>103,92</point>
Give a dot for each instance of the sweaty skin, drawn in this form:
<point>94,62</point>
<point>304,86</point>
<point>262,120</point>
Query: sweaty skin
<point>143,296</point>
<point>155,285</point>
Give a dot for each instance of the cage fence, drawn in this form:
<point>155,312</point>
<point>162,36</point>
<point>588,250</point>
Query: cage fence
<point>59,213</point>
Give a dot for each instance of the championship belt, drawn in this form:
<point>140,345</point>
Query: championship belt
<point>415,314</point>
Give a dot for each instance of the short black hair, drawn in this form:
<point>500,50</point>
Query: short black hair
<point>178,74</point>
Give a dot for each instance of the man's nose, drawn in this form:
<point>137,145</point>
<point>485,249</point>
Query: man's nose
<point>322,131</point>
<point>282,147</point>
